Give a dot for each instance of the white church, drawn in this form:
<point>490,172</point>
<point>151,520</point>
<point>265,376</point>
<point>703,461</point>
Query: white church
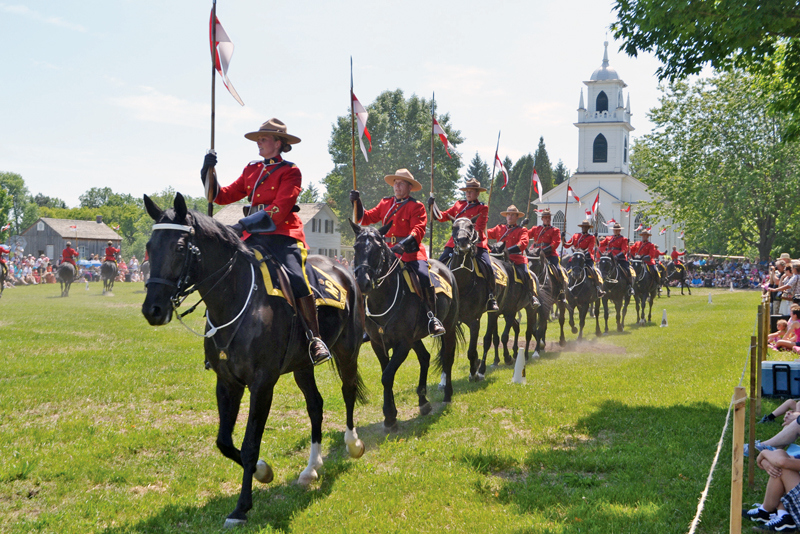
<point>604,128</point>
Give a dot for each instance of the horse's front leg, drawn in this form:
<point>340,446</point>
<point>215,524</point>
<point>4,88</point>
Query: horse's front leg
<point>475,372</point>
<point>260,403</point>
<point>399,355</point>
<point>572,326</point>
<point>510,323</point>
<point>597,330</point>
<point>530,321</point>
<point>424,358</point>
<point>229,398</point>
<point>491,327</point>
<point>605,311</point>
<point>308,385</point>
<point>582,311</point>
<point>626,300</point>
<point>561,310</point>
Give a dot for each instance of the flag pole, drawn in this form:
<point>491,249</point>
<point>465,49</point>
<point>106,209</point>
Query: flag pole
<point>353,139</point>
<point>211,175</point>
<point>566,205</point>
<point>494,165</point>
<point>530,190</point>
<point>433,118</point>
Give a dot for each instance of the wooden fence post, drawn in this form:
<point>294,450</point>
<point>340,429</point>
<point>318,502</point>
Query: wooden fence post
<point>751,464</point>
<point>737,461</point>
<point>761,353</point>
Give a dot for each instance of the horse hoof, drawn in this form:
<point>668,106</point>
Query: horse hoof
<point>495,365</point>
<point>440,387</point>
<point>357,449</point>
<point>233,523</point>
<point>390,427</point>
<point>263,472</point>
<point>307,477</point>
<point>562,342</point>
<point>425,409</point>
<point>574,330</point>
<point>535,355</point>
<point>479,377</point>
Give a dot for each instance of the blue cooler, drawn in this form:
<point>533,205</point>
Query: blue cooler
<point>780,379</point>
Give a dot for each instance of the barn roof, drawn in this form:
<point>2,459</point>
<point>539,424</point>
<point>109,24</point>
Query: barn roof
<point>82,230</point>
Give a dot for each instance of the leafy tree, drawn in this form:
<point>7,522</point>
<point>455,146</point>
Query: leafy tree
<point>24,211</point>
<point>6,205</point>
<point>543,167</point>
<point>561,173</point>
<point>44,201</point>
<point>720,165</point>
<point>104,196</point>
<point>686,36</point>
<point>401,138</point>
<point>309,194</point>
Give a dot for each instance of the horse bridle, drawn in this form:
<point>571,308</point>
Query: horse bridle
<point>375,277</point>
<point>615,267</point>
<point>582,270</point>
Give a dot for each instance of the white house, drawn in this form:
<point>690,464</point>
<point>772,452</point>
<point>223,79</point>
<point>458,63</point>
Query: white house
<point>604,128</point>
<point>320,225</point>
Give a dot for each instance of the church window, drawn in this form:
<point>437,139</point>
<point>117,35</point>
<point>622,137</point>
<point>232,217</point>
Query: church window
<point>602,102</point>
<point>602,229</point>
<point>600,149</point>
<point>625,151</point>
<point>559,221</point>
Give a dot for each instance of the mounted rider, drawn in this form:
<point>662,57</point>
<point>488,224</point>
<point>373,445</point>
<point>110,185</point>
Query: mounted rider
<point>272,186</point>
<point>617,245</point>
<point>675,255</point>
<point>648,252</point>
<point>111,252</point>
<point>549,239</point>
<point>69,254</point>
<point>515,239</point>
<point>470,208</point>
<point>586,243</point>
<point>3,251</point>
<point>408,219</point>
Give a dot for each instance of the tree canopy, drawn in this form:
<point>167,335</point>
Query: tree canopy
<point>24,211</point>
<point>720,165</point>
<point>688,35</point>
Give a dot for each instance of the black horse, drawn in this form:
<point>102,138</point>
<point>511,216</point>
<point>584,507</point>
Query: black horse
<point>582,294</point>
<point>550,288</point>
<point>252,337</point>
<point>65,275</point>
<point>396,318</point>
<point>108,273</point>
<point>663,278</point>
<point>511,299</point>
<point>616,287</point>
<point>678,272</point>
<point>3,271</point>
<point>473,291</point>
<point>645,287</point>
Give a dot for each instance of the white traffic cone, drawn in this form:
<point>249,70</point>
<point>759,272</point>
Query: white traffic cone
<point>519,369</point>
<point>709,298</point>
<point>731,287</point>
<point>664,319</point>
<point>87,285</point>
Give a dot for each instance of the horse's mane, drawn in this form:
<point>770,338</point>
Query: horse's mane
<point>209,228</point>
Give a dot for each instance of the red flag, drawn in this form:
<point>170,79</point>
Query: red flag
<point>571,193</point>
<point>223,51</point>
<point>588,213</point>
<point>499,163</point>
<point>610,223</point>
<point>596,203</point>
<point>662,231</point>
<point>6,227</point>
<point>638,227</point>
<point>74,226</point>
<point>649,228</point>
<point>361,118</point>
<point>681,236</point>
<point>537,185</point>
<point>628,209</point>
<point>115,227</point>
<point>437,129</point>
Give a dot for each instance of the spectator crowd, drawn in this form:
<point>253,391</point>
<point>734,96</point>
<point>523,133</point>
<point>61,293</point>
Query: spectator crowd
<point>25,270</point>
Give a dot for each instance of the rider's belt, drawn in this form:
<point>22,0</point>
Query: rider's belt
<point>395,239</point>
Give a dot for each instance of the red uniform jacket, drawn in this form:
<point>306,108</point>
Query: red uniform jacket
<point>277,193</point>
<point>615,244</point>
<point>4,250</point>
<point>584,242</point>
<point>110,254</point>
<point>68,254</point>
<point>646,249</point>
<point>675,255</point>
<point>408,217</point>
<point>511,235</point>
<point>546,235</point>
<point>462,208</point>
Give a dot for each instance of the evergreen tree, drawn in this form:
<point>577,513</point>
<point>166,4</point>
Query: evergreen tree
<point>522,176</point>
<point>543,167</point>
<point>479,170</point>
<point>501,198</point>
<point>561,173</point>
<point>309,195</point>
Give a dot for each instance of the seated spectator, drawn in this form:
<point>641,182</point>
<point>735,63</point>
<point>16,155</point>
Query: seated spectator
<point>781,508</point>
<point>792,336</point>
<point>49,278</point>
<point>780,333</point>
<point>697,280</point>
<point>789,288</point>
<point>788,409</point>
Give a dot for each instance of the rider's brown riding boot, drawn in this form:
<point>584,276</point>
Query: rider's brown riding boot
<point>598,284</point>
<point>435,326</point>
<point>316,347</point>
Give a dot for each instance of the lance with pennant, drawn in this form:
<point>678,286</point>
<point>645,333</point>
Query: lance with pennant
<point>353,138</point>
<point>211,175</point>
<point>530,191</point>
<point>494,165</point>
<point>433,118</point>
<point>566,205</point>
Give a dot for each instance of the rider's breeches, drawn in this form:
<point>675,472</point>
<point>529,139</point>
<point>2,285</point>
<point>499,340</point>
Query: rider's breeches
<point>421,268</point>
<point>291,254</point>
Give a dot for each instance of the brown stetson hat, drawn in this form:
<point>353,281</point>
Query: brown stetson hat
<point>512,210</point>
<point>645,231</point>
<point>545,213</point>
<point>273,127</point>
<point>617,226</point>
<point>585,223</point>
<point>473,184</point>
<point>406,176</point>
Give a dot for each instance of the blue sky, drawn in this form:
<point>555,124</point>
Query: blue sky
<point>102,93</point>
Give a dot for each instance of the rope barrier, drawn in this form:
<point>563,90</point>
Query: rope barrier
<point>704,495</point>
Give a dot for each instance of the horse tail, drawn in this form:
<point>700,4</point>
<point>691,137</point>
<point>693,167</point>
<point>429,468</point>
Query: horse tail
<point>440,346</point>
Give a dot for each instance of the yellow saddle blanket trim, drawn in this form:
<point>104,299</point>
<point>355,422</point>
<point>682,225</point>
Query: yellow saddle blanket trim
<point>443,285</point>
<point>633,273</point>
<point>500,276</point>
<point>333,294</point>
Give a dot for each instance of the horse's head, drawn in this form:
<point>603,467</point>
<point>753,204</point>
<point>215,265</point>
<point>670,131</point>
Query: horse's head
<point>498,250</point>
<point>172,256</point>
<point>372,256</point>
<point>538,260</point>
<point>636,263</point>
<point>606,263</point>
<point>464,235</point>
<point>578,261</point>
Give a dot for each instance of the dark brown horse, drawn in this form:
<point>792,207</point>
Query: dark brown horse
<point>663,278</point>
<point>645,287</point>
<point>582,294</point>
<point>65,275</point>
<point>678,272</point>
<point>616,287</point>
<point>108,273</point>
<point>251,337</point>
<point>396,319</point>
<point>550,288</point>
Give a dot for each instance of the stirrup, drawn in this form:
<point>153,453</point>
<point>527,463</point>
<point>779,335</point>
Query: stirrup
<point>432,331</point>
<point>491,305</point>
<point>535,304</point>
<point>324,358</point>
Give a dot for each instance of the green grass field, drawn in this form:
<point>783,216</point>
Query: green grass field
<point>108,425</point>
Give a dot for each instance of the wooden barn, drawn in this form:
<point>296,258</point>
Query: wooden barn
<point>49,237</point>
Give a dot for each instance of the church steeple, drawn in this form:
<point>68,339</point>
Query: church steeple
<point>581,107</point>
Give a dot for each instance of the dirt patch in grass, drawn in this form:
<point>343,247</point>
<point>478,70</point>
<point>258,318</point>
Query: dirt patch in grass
<point>158,487</point>
<point>585,346</point>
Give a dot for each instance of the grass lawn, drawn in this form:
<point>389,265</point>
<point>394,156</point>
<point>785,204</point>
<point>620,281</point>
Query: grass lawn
<point>108,425</point>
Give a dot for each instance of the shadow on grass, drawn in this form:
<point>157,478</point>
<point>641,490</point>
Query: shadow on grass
<point>620,469</point>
